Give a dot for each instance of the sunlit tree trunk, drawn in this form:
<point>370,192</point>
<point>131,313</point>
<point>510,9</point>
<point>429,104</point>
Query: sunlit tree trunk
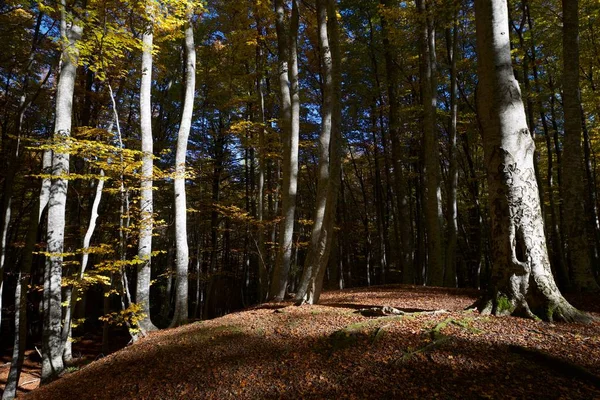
<point>142,294</point>
<point>72,292</point>
<point>52,363</point>
<point>573,176</point>
<point>263,266</point>
<point>290,124</point>
<point>522,282</point>
<point>329,158</point>
<point>181,241</point>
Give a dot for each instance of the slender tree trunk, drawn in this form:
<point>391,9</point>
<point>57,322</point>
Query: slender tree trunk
<point>52,363</point>
<point>181,241</point>
<point>290,118</point>
<point>400,184</point>
<point>263,268</point>
<point>142,295</point>
<point>23,281</point>
<point>592,208</point>
<point>329,157</point>
<point>556,248</point>
<point>522,282</point>
<point>452,207</point>
<point>433,197</point>
<point>73,293</point>
<point>573,176</point>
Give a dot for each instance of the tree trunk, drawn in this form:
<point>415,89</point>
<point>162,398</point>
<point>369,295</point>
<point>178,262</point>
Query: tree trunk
<point>52,363</point>
<point>290,101</point>
<point>452,207</point>
<point>433,196</point>
<point>329,157</point>
<point>181,242</point>
<point>400,184</point>
<point>522,282</point>
<point>142,294</point>
<point>21,291</point>
<point>263,266</point>
<point>573,176</point>
<point>71,299</point>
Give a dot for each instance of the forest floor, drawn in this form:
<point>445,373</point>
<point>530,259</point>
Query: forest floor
<point>332,351</point>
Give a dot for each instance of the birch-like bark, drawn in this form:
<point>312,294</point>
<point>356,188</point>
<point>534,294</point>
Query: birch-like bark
<point>23,280</point>
<point>263,272</point>
<point>287,42</point>
<point>52,363</point>
<point>433,198</point>
<point>142,294</point>
<point>181,242</point>
<point>573,174</point>
<point>522,282</point>
<point>73,293</point>
<point>329,158</point>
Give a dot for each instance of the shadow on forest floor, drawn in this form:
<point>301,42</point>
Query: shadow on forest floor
<point>283,351</point>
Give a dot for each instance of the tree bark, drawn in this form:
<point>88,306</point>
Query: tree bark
<point>522,282</point>
<point>290,126</point>
<point>52,363</point>
<point>329,157</point>
<point>452,206</point>
<point>431,163</point>
<point>72,293</point>
<point>142,295</point>
<point>181,242</point>
<point>400,184</point>
<point>573,175</point>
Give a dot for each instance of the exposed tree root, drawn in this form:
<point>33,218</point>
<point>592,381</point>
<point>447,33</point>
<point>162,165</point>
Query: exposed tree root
<point>386,311</point>
<point>558,310</point>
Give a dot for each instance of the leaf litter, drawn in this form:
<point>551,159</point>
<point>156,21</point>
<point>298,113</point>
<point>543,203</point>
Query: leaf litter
<point>331,350</point>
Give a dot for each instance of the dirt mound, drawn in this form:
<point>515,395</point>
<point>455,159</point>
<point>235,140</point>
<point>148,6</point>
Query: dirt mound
<point>333,351</point>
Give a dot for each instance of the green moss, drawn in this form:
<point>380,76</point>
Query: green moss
<point>504,305</point>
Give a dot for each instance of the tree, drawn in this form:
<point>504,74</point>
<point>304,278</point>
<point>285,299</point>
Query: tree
<point>329,157</point>
<point>142,294</point>
<point>522,281</point>
<point>573,177</point>
<point>52,345</point>
<point>287,44</point>
<point>431,164</point>
<point>181,240</point>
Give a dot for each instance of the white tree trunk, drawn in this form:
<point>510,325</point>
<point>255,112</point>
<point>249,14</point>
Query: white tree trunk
<point>52,345</point>
<point>73,291</point>
<point>522,282</point>
<point>329,158</point>
<point>181,243</point>
<point>142,295</point>
<point>286,48</point>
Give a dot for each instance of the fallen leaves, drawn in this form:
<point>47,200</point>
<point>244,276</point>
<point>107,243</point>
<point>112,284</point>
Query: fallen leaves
<point>287,353</point>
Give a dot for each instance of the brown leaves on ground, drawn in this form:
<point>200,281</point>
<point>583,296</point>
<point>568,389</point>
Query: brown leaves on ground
<point>330,351</point>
